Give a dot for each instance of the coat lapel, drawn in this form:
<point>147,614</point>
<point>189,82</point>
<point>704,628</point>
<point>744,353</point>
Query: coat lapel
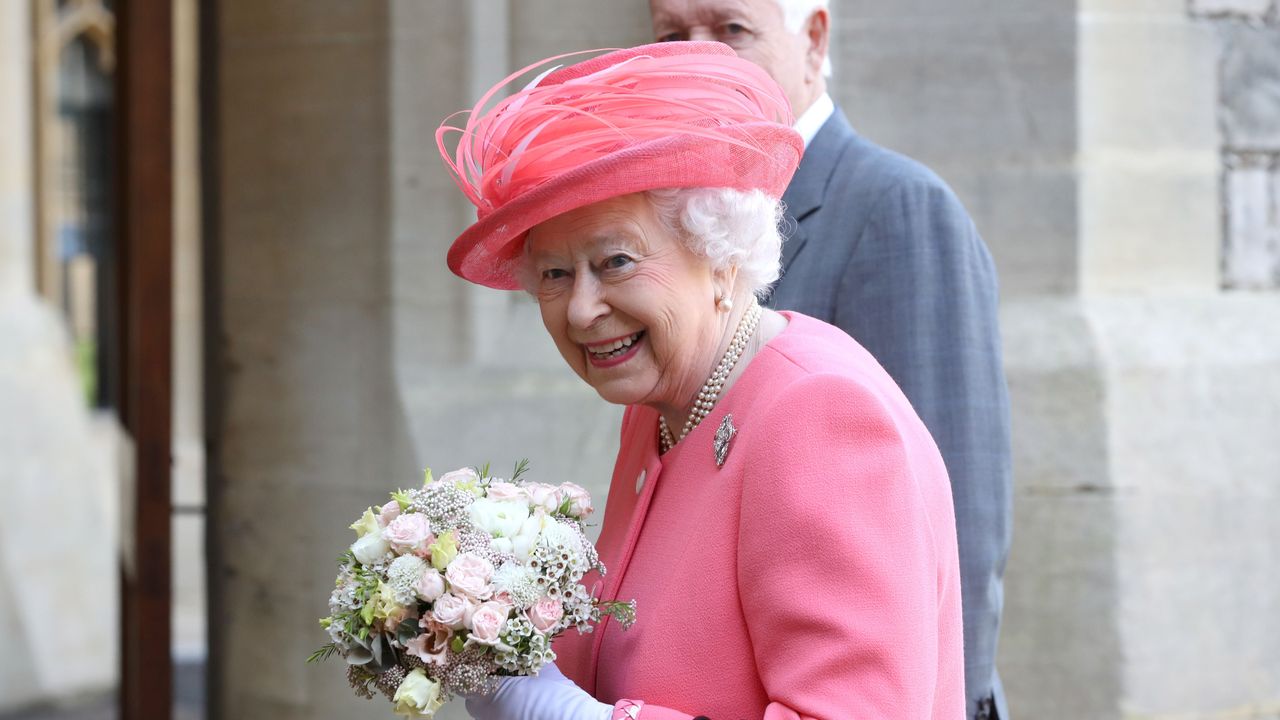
<point>808,188</point>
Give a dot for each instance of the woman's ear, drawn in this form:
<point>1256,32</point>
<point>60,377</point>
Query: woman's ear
<point>725,281</point>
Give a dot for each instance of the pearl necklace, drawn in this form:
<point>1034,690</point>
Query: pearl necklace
<point>711,388</point>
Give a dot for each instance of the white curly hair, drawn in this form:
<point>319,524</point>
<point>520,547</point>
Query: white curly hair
<point>730,228</point>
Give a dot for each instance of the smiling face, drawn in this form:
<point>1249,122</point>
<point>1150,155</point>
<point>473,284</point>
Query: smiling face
<point>631,309</point>
<point>757,31</point>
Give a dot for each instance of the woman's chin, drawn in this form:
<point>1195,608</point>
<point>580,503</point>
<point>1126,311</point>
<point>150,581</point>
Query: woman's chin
<point>617,396</point>
<point>619,392</point>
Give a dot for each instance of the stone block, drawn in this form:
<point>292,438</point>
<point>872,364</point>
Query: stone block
<point>1246,8</point>
<point>190,640</point>
<point>1059,653</point>
<point>953,93</point>
<point>1028,217</point>
<point>1145,466</point>
<point>1251,258</point>
<point>286,22</point>
<point>542,28</point>
<point>16,201</point>
<point>856,11</point>
<point>1148,143</point>
<point>1130,240</point>
<point>1147,86</point>
<point>58,586</point>
<point>1251,87</point>
<point>1193,388</point>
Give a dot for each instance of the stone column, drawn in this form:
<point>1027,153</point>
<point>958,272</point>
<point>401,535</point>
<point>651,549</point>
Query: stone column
<point>1083,138</point>
<point>58,561</point>
<point>307,427</point>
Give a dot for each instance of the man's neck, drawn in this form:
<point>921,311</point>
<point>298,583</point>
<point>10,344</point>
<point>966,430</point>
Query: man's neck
<point>818,90</point>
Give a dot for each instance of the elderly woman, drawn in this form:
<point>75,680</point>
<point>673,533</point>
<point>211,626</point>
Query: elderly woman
<point>777,510</point>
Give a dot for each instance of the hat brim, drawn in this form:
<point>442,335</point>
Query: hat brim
<point>489,252</point>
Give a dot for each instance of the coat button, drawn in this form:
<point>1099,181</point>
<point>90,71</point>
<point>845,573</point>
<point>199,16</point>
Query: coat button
<point>640,482</point>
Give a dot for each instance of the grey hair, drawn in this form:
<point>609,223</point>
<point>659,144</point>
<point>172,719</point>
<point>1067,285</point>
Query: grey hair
<point>727,227</point>
<point>795,12</point>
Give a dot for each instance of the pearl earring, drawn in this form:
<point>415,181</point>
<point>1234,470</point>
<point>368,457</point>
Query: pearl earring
<point>724,305</point>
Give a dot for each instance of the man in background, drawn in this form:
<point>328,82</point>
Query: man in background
<point>884,250</point>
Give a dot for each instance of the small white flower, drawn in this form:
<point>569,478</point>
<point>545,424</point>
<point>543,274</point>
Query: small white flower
<point>559,536</point>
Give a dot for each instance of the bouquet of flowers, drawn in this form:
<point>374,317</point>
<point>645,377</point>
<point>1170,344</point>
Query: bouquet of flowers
<point>468,578</point>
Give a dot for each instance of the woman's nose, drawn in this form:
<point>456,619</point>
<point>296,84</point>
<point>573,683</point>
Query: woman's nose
<point>701,34</point>
<point>587,303</point>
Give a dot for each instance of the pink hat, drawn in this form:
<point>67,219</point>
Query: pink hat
<point>669,115</point>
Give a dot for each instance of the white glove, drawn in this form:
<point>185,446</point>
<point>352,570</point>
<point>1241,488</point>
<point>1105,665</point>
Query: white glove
<point>549,696</point>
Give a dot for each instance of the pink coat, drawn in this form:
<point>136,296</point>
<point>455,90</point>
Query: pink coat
<point>815,575</point>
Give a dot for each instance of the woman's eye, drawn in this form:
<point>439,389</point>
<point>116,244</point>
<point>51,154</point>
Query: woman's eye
<point>554,274</point>
<point>733,29</point>
<point>617,262</point>
<point>670,37</point>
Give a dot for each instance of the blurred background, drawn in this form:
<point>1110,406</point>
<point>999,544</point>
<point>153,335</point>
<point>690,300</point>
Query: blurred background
<point>226,327</point>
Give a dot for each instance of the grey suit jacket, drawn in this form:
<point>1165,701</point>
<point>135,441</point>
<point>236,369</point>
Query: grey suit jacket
<point>884,250</point>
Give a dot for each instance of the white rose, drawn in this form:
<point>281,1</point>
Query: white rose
<point>418,696</point>
<point>502,546</point>
<point>369,548</point>
<point>499,518</point>
<point>530,530</point>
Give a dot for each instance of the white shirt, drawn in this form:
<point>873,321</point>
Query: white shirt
<point>812,120</point>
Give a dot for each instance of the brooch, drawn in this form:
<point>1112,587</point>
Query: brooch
<point>724,436</point>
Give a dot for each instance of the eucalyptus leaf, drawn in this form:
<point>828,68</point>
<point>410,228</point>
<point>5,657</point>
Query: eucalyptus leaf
<point>407,631</point>
<point>359,656</point>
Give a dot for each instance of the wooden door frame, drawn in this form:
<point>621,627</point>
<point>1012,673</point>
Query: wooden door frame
<point>144,222</point>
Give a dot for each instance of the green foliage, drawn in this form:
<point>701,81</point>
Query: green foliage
<point>522,466</point>
<point>324,653</point>
<point>86,352</point>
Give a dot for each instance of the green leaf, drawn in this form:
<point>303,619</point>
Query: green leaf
<point>522,466</point>
<point>402,497</point>
<point>324,653</point>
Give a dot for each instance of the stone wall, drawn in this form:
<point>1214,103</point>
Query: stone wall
<point>1249,113</point>
<point>1086,140</point>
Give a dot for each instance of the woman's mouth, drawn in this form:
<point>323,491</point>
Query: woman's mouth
<point>614,352</point>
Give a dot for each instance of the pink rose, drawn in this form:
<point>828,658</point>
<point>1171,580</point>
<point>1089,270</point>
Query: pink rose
<point>487,622</point>
<point>545,614</point>
<point>506,491</point>
<point>389,512</point>
<point>430,586</point>
<point>433,645</point>
<point>453,611</point>
<point>470,574</point>
<point>464,476</point>
<point>579,499</point>
<point>544,496</point>
<point>409,533</point>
